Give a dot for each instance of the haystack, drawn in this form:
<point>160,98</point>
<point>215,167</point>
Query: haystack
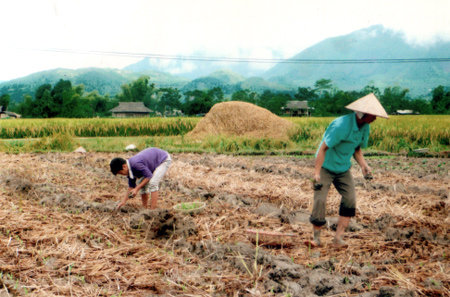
<point>238,118</point>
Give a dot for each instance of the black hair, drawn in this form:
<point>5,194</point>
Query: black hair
<point>116,165</point>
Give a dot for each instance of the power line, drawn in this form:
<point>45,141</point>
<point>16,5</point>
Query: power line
<point>247,60</point>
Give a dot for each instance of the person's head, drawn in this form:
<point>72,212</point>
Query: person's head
<point>365,118</point>
<point>367,109</point>
<point>119,166</point>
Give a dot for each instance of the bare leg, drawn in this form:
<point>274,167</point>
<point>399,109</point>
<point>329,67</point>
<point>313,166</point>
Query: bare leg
<point>154,201</point>
<point>144,200</point>
<point>342,225</point>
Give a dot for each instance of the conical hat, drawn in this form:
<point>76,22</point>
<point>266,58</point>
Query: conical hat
<point>369,104</point>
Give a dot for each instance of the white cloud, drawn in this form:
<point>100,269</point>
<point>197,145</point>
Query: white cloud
<point>219,28</point>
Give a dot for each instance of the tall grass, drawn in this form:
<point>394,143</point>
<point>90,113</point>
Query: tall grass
<point>36,128</point>
<point>404,133</point>
<point>398,134</point>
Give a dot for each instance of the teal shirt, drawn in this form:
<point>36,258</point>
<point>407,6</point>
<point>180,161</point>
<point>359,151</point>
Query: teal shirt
<point>342,137</point>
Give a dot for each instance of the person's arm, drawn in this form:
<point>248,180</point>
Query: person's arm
<point>135,191</point>
<point>359,157</point>
<point>124,199</point>
<point>319,161</point>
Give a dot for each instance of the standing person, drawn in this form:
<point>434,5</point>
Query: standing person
<point>344,138</point>
<point>149,166</point>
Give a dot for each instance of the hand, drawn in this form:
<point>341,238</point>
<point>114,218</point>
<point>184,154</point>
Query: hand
<point>122,203</point>
<point>133,192</point>
<point>316,184</point>
<point>366,170</point>
<point>316,179</point>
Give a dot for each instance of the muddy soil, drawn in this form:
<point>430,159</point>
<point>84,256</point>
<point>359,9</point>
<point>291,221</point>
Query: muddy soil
<point>60,235</point>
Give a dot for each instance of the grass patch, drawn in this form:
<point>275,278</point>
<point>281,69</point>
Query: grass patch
<point>395,135</point>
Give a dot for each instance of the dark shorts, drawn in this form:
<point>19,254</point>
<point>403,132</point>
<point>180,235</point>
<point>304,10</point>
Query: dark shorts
<point>344,184</point>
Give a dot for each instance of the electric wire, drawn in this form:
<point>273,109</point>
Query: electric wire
<point>246,60</point>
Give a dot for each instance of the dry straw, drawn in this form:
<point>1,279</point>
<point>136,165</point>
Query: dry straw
<point>237,118</point>
<point>48,251</point>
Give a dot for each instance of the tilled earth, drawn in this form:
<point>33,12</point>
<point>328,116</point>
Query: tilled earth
<point>60,236</point>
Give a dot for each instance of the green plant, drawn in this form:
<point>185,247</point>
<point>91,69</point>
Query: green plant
<point>189,206</point>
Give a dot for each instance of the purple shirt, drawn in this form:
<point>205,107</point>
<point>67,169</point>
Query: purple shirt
<point>144,164</point>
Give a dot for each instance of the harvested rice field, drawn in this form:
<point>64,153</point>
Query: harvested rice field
<point>59,235</point>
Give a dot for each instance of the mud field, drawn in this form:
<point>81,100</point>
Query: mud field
<point>60,236</point>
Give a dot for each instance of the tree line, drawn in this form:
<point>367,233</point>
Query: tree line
<point>68,101</point>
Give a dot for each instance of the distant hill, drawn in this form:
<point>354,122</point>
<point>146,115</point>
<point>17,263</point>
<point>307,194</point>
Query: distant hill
<point>258,84</point>
<point>374,42</point>
<point>105,81</point>
<point>231,82</point>
<point>224,78</point>
<point>192,69</point>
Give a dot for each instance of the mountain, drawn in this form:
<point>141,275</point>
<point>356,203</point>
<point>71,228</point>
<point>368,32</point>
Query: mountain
<point>105,81</point>
<point>224,78</point>
<point>231,82</point>
<point>374,42</point>
<point>192,69</point>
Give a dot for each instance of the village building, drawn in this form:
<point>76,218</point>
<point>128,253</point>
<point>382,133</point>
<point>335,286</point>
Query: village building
<point>297,108</point>
<point>8,115</point>
<point>405,112</point>
<point>131,110</point>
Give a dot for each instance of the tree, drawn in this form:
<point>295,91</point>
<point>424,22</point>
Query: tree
<point>245,96</point>
<point>394,99</point>
<point>201,101</point>
<point>305,94</point>
<point>170,100</point>
<point>43,106</point>
<point>440,103</point>
<point>322,85</point>
<point>61,92</point>
<point>24,108</point>
<point>274,101</point>
<point>100,105</point>
<point>5,99</point>
<point>371,89</point>
<point>421,105</point>
<point>137,91</point>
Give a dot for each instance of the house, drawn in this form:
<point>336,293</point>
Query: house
<point>297,108</point>
<point>130,110</point>
<point>406,112</point>
<point>8,115</point>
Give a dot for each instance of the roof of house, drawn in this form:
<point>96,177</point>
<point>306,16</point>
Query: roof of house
<point>12,114</point>
<point>297,105</point>
<point>9,113</point>
<point>131,107</point>
<point>405,111</point>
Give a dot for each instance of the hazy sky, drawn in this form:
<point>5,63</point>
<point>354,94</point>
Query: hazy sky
<point>210,28</point>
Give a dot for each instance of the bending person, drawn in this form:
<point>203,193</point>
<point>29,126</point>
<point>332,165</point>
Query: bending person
<point>149,166</point>
<point>344,138</point>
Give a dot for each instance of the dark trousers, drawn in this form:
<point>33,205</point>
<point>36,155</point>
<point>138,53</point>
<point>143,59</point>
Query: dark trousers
<point>344,184</point>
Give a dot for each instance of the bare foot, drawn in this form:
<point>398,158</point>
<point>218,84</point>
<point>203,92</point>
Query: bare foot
<point>339,243</point>
<point>311,243</point>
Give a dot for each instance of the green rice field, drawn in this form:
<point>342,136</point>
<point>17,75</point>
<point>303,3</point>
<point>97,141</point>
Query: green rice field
<point>399,134</point>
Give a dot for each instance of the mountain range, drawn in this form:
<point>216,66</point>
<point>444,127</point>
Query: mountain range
<point>373,43</point>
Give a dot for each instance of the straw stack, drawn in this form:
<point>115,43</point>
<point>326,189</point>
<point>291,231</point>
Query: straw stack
<point>238,118</point>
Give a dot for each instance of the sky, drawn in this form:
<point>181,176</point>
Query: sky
<point>37,35</point>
